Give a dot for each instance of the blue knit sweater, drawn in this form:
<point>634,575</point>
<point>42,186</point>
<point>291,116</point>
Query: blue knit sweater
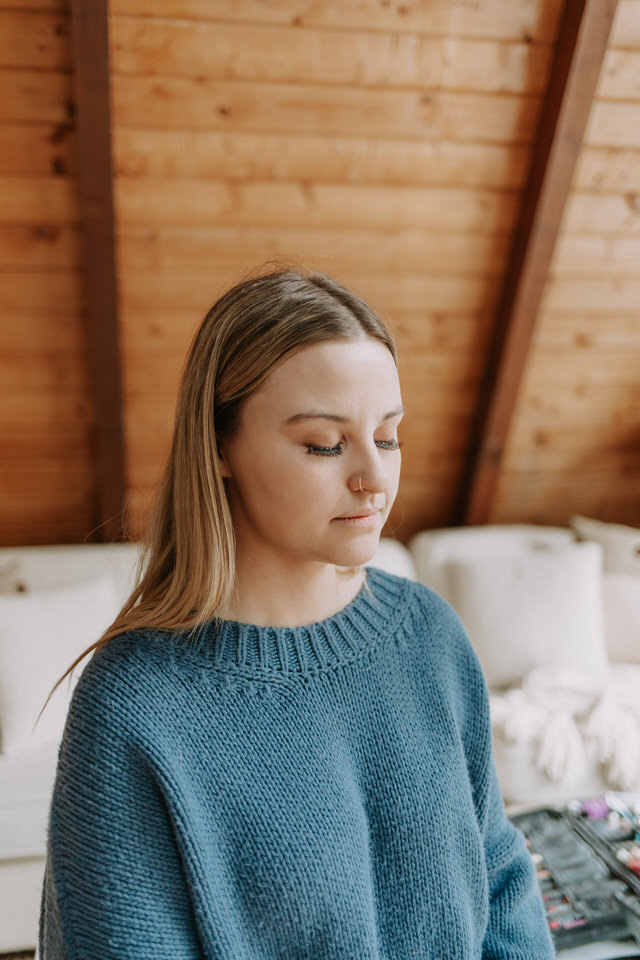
<point>323,792</point>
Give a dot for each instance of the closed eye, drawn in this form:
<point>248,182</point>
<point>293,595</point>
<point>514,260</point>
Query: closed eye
<point>324,451</point>
<point>338,448</point>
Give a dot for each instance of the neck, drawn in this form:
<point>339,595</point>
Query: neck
<point>269,595</point>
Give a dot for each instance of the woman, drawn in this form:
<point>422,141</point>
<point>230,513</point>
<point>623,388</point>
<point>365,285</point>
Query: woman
<point>273,753</point>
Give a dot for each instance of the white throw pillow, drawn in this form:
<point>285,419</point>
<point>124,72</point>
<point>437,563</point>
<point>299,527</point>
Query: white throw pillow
<point>621,596</point>
<point>620,544</point>
<point>432,550</point>
<point>41,634</point>
<point>533,608</point>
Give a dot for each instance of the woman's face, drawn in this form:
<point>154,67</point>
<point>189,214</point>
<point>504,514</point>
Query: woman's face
<point>323,424</point>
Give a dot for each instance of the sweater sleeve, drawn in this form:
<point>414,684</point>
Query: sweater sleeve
<point>113,884</point>
<point>517,927</point>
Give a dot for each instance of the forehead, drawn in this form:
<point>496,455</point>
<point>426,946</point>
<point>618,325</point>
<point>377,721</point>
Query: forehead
<point>334,372</point>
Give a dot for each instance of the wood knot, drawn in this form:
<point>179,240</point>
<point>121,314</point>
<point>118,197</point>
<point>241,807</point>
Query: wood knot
<point>60,133</point>
<point>46,231</point>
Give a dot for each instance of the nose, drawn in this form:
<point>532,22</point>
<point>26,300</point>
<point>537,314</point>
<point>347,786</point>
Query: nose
<point>370,475</point>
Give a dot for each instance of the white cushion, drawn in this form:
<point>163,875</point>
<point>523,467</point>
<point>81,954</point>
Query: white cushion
<point>529,609</point>
<point>41,634</point>
<point>20,894</point>
<point>433,549</point>
<point>12,578</point>
<point>620,544</point>
<point>393,557</point>
<point>621,597</point>
<point>26,783</point>
<point>59,565</point>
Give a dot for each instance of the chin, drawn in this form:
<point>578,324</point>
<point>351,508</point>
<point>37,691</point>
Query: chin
<point>357,554</point>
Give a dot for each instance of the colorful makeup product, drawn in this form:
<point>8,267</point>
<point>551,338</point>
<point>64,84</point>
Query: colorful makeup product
<point>596,809</point>
<point>614,837</point>
<point>579,892</point>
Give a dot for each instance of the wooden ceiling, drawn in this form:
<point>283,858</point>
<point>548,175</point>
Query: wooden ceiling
<point>470,169</point>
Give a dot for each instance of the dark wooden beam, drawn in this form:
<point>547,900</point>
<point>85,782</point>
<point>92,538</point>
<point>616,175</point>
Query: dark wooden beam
<point>91,70</point>
<point>581,45</point>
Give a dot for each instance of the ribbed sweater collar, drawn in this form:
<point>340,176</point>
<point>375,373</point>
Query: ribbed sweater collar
<point>262,652</point>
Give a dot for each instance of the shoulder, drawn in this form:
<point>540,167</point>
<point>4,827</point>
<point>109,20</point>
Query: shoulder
<point>425,610</point>
<point>128,670</point>
<point>438,639</point>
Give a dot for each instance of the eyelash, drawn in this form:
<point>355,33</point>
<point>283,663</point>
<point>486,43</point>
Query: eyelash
<point>337,450</point>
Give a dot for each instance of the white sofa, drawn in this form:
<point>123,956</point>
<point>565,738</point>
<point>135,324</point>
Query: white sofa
<point>508,583</point>
<point>86,582</point>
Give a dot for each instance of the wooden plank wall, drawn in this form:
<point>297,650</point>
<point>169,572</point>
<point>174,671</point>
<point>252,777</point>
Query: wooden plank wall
<point>385,144</point>
<point>574,446</point>
<point>47,489</point>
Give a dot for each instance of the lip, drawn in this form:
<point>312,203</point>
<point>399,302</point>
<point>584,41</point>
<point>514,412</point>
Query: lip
<point>361,519</point>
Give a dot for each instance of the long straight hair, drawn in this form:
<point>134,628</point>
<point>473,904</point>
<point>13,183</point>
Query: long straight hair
<point>188,568</point>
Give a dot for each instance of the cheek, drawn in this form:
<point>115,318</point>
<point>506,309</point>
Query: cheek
<point>282,481</point>
<point>304,489</point>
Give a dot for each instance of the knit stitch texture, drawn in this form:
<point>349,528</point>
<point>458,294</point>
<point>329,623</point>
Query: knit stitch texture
<point>313,793</point>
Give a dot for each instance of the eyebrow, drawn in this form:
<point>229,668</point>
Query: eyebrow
<point>335,417</point>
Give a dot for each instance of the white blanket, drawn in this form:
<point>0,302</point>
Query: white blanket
<point>569,718</point>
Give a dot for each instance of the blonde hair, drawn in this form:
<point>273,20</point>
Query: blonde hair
<point>188,569</point>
